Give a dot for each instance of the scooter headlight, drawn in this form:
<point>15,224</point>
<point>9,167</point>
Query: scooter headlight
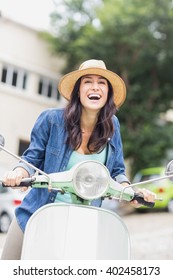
<point>91,180</point>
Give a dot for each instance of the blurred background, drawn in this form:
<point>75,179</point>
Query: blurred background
<point>42,40</point>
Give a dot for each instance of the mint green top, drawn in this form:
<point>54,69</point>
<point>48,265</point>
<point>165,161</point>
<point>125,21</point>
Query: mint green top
<point>77,157</point>
<point>74,159</point>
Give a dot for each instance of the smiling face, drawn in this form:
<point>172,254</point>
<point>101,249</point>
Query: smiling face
<point>93,92</point>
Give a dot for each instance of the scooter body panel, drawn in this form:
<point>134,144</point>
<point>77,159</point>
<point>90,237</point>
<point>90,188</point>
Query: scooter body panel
<point>70,232</point>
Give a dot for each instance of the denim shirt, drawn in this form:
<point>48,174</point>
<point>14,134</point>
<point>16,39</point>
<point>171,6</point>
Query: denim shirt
<point>49,152</point>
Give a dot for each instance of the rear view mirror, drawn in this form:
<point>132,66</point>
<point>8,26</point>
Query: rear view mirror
<point>2,141</point>
<point>169,170</point>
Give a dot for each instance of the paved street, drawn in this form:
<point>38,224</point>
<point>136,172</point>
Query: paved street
<point>2,240</point>
<point>151,235</point>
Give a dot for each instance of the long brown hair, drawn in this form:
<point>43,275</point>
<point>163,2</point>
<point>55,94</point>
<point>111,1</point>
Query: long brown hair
<point>103,129</point>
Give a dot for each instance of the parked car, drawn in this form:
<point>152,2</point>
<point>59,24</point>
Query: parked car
<point>163,188</point>
<point>9,199</point>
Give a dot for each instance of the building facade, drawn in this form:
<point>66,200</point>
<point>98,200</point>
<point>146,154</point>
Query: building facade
<point>29,75</point>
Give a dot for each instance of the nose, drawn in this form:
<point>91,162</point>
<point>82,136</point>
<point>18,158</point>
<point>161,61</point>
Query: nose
<point>95,86</point>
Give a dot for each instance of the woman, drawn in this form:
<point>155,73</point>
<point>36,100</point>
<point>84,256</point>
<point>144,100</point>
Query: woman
<point>86,129</point>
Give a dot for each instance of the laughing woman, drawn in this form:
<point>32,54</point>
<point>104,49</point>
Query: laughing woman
<point>86,129</point>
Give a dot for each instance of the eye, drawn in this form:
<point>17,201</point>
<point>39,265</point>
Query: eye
<point>87,81</point>
<point>103,82</point>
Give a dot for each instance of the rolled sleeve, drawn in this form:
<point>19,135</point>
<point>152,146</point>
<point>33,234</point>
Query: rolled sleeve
<point>121,178</point>
<point>29,169</point>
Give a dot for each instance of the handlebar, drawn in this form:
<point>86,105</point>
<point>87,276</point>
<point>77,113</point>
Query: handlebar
<point>27,182</point>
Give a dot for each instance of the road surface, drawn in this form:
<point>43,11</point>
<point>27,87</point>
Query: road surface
<point>151,235</point>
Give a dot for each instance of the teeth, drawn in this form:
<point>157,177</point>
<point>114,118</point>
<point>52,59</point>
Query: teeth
<point>94,96</point>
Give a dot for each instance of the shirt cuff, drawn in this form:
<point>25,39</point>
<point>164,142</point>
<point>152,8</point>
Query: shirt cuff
<point>121,178</point>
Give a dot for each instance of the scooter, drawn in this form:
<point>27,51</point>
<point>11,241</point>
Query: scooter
<point>78,230</point>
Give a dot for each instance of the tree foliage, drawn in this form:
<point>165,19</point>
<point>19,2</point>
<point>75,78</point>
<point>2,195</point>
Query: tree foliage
<point>135,40</point>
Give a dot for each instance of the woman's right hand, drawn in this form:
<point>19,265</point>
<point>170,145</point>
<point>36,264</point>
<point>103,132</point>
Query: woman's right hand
<point>13,178</point>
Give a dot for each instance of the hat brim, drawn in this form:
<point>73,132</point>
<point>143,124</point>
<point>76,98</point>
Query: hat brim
<point>68,81</point>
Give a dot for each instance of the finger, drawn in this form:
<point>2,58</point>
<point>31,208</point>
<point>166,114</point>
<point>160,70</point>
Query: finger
<point>19,177</point>
<point>23,189</point>
<point>135,204</point>
<point>148,195</point>
<point>8,179</point>
<point>12,178</point>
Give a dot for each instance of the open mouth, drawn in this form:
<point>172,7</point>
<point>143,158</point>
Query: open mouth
<point>94,96</point>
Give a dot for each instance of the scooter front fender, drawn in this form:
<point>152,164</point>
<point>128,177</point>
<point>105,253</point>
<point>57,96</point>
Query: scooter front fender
<point>70,232</point>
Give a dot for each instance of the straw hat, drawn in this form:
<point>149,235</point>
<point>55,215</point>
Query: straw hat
<point>93,67</point>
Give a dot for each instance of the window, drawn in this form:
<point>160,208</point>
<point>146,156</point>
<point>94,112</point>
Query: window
<point>4,75</point>
<point>2,189</point>
<point>14,76</point>
<point>48,88</point>
<point>23,145</point>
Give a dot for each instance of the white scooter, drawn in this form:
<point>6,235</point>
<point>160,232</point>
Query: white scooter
<point>78,231</point>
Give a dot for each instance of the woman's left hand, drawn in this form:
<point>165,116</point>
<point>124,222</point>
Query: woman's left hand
<point>148,196</point>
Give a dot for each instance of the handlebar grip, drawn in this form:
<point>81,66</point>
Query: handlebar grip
<point>140,199</point>
<point>26,182</point>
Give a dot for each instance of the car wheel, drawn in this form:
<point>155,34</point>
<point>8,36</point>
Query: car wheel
<point>170,206</point>
<point>5,222</point>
